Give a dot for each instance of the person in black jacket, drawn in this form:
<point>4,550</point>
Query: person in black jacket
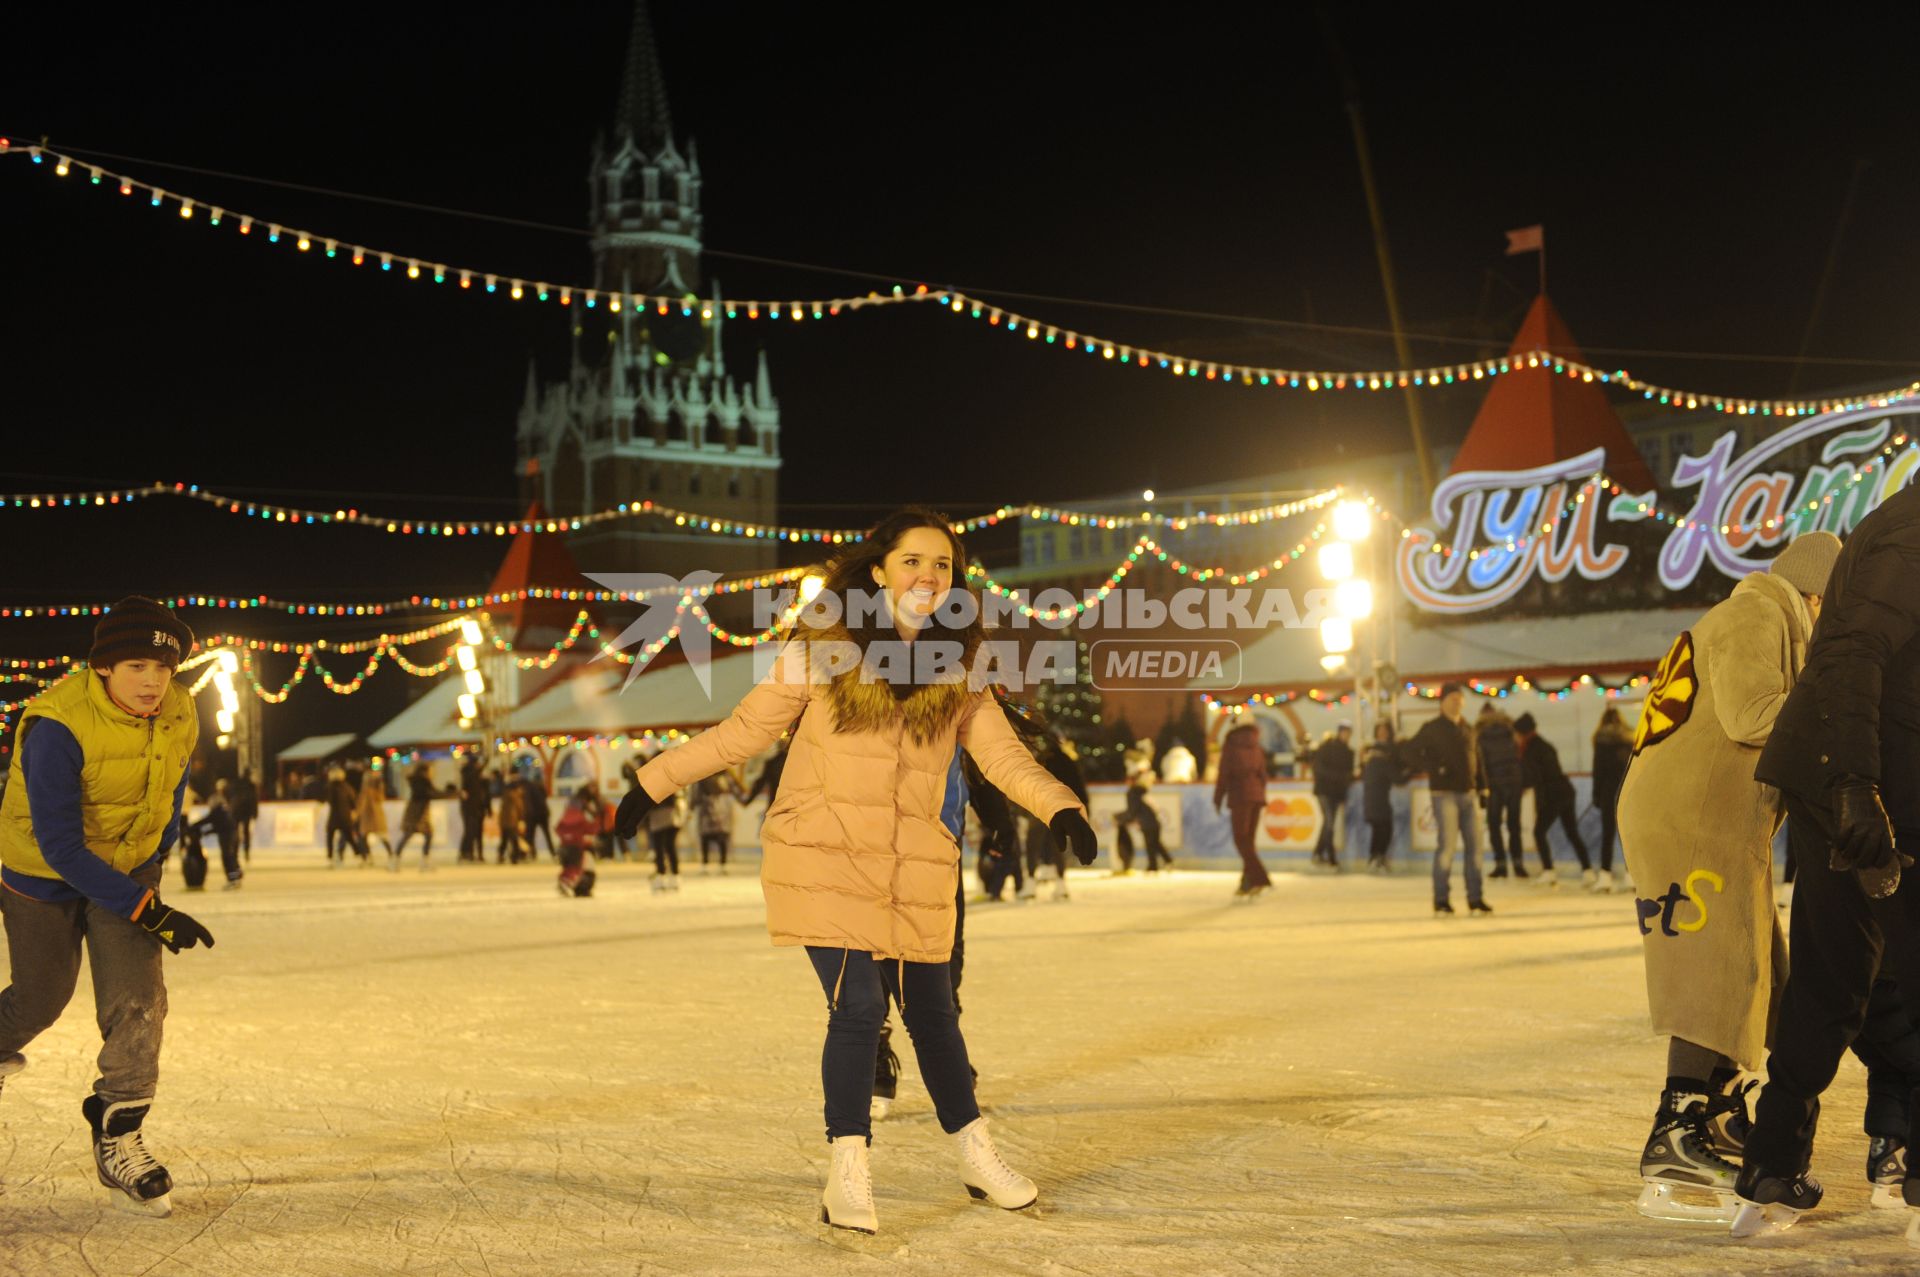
<point>1443,749</point>
<point>1612,751</point>
<point>1380,771</point>
<point>1501,779</point>
<point>476,800</point>
<point>1553,800</point>
<point>1845,753</point>
<point>246,810</point>
<point>1332,780</point>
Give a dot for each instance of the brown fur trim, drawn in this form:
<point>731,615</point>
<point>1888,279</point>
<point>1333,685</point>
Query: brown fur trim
<point>862,703</point>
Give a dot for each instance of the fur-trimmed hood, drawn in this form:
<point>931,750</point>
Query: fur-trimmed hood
<point>866,697</point>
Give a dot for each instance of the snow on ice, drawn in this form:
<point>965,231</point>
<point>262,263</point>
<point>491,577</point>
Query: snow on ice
<point>463,1073</point>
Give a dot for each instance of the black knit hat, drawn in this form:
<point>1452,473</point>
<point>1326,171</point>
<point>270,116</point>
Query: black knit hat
<point>1525,724</point>
<point>139,629</point>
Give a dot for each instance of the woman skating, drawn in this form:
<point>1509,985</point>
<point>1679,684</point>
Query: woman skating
<point>857,864</point>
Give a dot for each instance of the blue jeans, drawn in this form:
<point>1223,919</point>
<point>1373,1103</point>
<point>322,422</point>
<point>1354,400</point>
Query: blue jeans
<point>1453,819</point>
<point>925,993</point>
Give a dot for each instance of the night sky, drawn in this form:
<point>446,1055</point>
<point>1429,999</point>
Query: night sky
<point>1689,178</point>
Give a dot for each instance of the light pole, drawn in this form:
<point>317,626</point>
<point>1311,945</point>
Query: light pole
<point>1353,601</point>
<point>466,655</point>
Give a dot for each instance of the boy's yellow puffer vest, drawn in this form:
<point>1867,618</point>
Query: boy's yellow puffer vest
<point>130,770</point>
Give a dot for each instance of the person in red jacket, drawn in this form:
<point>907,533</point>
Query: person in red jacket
<point>1242,786</point>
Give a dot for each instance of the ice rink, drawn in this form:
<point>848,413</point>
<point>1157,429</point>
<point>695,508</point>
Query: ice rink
<point>462,1073</point>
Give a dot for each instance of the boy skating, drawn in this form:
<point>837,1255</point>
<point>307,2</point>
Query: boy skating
<point>92,805</point>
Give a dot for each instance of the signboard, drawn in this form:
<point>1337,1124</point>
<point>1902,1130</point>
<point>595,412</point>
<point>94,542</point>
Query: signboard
<point>1494,532</point>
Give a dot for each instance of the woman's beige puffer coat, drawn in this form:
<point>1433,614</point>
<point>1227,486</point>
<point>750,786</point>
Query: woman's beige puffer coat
<point>853,851</point>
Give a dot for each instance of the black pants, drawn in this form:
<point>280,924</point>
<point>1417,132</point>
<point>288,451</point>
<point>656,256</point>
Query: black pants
<point>1840,941</point>
<point>718,844</point>
<point>996,871</point>
<point>1503,827</point>
<point>222,829</point>
<point>1123,847</point>
<point>473,833</point>
<point>666,854</point>
<point>1332,802</point>
<point>1157,853</point>
<point>858,987</point>
<point>244,830</point>
<point>1043,850</point>
<point>1380,838</point>
<point>1609,806</point>
<point>1889,1046</point>
<point>540,826</point>
<point>1545,812</point>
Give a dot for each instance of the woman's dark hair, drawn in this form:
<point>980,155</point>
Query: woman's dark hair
<point>1387,724</point>
<point>1611,717</point>
<point>851,573</point>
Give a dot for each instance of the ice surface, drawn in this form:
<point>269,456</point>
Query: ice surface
<point>463,1073</point>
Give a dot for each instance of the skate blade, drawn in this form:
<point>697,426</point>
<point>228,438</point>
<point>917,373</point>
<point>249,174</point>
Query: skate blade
<point>980,1195</point>
<point>1657,1201</point>
<point>828,1220</point>
<point>1887,1197</point>
<point>154,1208</point>
<point>1755,1220</point>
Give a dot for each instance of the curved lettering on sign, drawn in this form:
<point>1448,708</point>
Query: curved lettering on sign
<point>1496,526</point>
<point>1501,529</point>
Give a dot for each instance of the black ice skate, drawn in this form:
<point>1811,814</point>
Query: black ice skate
<point>1686,1181</point>
<point>132,1178</point>
<point>1772,1203</point>
<point>1886,1169</point>
<point>1727,1121</point>
<point>886,1077</point>
<point>9,1065</point>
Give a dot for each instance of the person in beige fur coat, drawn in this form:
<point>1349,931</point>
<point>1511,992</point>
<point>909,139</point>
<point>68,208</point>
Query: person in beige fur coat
<point>1697,832</point>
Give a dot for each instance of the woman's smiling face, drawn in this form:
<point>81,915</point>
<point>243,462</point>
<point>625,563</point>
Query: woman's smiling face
<point>916,575</point>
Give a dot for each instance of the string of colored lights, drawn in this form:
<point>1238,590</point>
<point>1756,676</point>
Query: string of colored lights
<point>468,603</point>
<point>1488,687</point>
<point>955,302</point>
<point>683,519</point>
<point>467,279</point>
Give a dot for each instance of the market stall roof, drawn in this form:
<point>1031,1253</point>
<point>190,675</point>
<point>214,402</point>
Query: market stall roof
<point>317,748</point>
<point>434,719</point>
<point>1535,416</point>
<point>595,702</point>
<point>1596,642</point>
<point>590,703</point>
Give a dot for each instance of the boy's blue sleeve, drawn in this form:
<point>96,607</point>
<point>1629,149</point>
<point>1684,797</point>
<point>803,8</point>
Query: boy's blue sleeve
<point>50,759</point>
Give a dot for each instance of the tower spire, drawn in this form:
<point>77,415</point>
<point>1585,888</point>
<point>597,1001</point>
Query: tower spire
<point>643,90</point>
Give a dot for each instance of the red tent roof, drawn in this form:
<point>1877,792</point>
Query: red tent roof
<point>1535,416</point>
<point>538,560</point>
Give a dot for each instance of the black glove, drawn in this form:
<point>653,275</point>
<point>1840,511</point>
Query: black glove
<point>176,930</point>
<point>1071,829</point>
<point>633,809</point>
<point>1863,834</point>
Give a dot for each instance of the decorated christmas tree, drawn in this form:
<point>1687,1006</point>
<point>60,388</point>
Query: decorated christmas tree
<point>1077,711</point>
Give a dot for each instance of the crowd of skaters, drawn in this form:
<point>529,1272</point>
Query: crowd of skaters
<point>1490,763</point>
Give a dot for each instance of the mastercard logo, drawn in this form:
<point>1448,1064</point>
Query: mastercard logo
<point>1291,819</point>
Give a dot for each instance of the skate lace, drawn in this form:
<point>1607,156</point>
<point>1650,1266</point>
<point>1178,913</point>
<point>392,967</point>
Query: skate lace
<point>854,1186</point>
<point>986,1159</point>
<point>127,1158</point>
